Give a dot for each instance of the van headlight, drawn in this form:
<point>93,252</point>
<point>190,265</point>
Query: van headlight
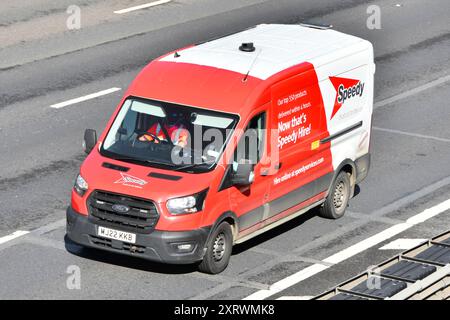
<point>80,186</point>
<point>189,204</point>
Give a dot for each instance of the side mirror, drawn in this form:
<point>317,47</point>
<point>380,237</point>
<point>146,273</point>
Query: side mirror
<point>90,140</point>
<point>243,174</point>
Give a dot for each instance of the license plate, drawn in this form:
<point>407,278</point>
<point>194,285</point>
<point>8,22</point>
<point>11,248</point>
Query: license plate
<point>116,235</point>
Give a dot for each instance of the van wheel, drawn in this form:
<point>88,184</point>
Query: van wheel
<point>218,250</point>
<point>337,200</point>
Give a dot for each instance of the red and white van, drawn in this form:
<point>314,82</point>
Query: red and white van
<point>218,142</point>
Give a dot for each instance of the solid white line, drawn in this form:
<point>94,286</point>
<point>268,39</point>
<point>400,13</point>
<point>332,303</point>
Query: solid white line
<point>142,6</point>
<point>13,236</point>
<point>429,213</point>
<point>416,135</point>
<point>295,298</point>
<point>412,92</point>
<point>367,243</point>
<point>402,244</point>
<point>84,98</point>
<point>349,252</point>
<point>287,282</point>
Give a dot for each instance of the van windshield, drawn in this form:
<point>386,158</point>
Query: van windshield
<point>168,136</point>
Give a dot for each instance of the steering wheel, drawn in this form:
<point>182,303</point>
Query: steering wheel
<point>155,138</point>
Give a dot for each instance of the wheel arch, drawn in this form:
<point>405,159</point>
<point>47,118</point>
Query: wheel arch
<point>349,166</point>
<point>231,218</point>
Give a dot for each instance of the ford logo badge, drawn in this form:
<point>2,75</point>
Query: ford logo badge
<point>120,208</point>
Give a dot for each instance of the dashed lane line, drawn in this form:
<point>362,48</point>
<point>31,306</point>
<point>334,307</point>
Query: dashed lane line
<point>411,134</point>
<point>412,92</point>
<point>84,98</point>
<point>142,6</point>
<point>13,236</point>
<point>51,226</point>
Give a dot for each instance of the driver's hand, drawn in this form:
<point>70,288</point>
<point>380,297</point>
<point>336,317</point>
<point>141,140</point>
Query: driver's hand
<point>146,137</point>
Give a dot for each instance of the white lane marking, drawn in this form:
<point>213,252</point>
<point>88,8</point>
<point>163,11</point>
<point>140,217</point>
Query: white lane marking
<point>295,298</point>
<point>84,98</point>
<point>51,226</point>
<point>416,135</point>
<point>142,6</point>
<point>367,243</point>
<point>429,213</point>
<point>402,244</point>
<point>412,92</point>
<point>287,282</point>
<point>13,236</point>
<point>349,252</point>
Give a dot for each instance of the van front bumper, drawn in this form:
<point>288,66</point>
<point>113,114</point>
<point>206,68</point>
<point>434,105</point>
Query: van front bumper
<point>160,246</point>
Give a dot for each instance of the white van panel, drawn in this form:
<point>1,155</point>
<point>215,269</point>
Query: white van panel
<point>357,67</point>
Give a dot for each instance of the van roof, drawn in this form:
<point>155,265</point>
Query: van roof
<point>277,48</point>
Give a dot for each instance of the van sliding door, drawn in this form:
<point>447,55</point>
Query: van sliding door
<point>304,164</point>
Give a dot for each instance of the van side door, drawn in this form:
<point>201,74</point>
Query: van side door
<point>304,162</point>
<point>248,202</point>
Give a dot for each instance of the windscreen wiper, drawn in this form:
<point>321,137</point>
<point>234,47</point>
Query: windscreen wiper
<point>142,160</point>
<point>192,165</point>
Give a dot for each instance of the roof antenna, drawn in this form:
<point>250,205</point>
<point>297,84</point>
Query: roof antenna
<point>176,54</point>
<point>251,66</point>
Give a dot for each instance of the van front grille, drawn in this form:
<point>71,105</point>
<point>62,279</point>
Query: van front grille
<point>102,242</point>
<point>141,216</point>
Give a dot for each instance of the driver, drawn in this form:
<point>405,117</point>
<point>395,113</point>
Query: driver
<point>173,127</point>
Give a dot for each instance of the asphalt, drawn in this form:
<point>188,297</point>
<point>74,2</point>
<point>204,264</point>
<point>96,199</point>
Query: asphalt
<point>42,63</point>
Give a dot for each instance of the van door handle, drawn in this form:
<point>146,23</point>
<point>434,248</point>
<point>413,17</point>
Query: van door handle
<point>265,172</point>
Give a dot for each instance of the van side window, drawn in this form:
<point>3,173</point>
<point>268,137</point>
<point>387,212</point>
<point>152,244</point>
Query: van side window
<point>250,148</point>
<point>251,145</point>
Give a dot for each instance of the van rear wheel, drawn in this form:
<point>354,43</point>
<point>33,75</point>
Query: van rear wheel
<point>218,250</point>
<point>337,200</point>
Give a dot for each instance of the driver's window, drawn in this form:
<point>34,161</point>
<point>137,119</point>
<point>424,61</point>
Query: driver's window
<point>251,146</point>
<point>249,149</point>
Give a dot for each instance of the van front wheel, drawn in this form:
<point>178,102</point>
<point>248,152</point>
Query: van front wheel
<point>337,200</point>
<point>218,250</point>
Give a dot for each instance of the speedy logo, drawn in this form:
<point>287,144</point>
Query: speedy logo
<point>131,181</point>
<point>345,89</point>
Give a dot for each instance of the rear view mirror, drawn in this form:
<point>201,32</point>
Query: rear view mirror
<point>90,140</point>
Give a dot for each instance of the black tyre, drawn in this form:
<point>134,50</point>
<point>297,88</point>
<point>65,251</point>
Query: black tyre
<point>218,250</point>
<point>337,200</point>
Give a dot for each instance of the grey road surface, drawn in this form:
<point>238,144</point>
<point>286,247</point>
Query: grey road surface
<point>43,63</point>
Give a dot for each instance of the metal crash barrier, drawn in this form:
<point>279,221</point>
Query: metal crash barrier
<point>420,273</point>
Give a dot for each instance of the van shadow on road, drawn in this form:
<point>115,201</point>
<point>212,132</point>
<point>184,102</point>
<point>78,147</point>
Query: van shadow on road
<point>275,232</point>
<point>126,261</point>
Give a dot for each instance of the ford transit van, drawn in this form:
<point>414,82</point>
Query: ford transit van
<point>218,142</point>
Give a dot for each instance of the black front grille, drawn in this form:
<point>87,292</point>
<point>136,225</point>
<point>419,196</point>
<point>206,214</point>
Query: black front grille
<point>108,243</point>
<point>141,218</point>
